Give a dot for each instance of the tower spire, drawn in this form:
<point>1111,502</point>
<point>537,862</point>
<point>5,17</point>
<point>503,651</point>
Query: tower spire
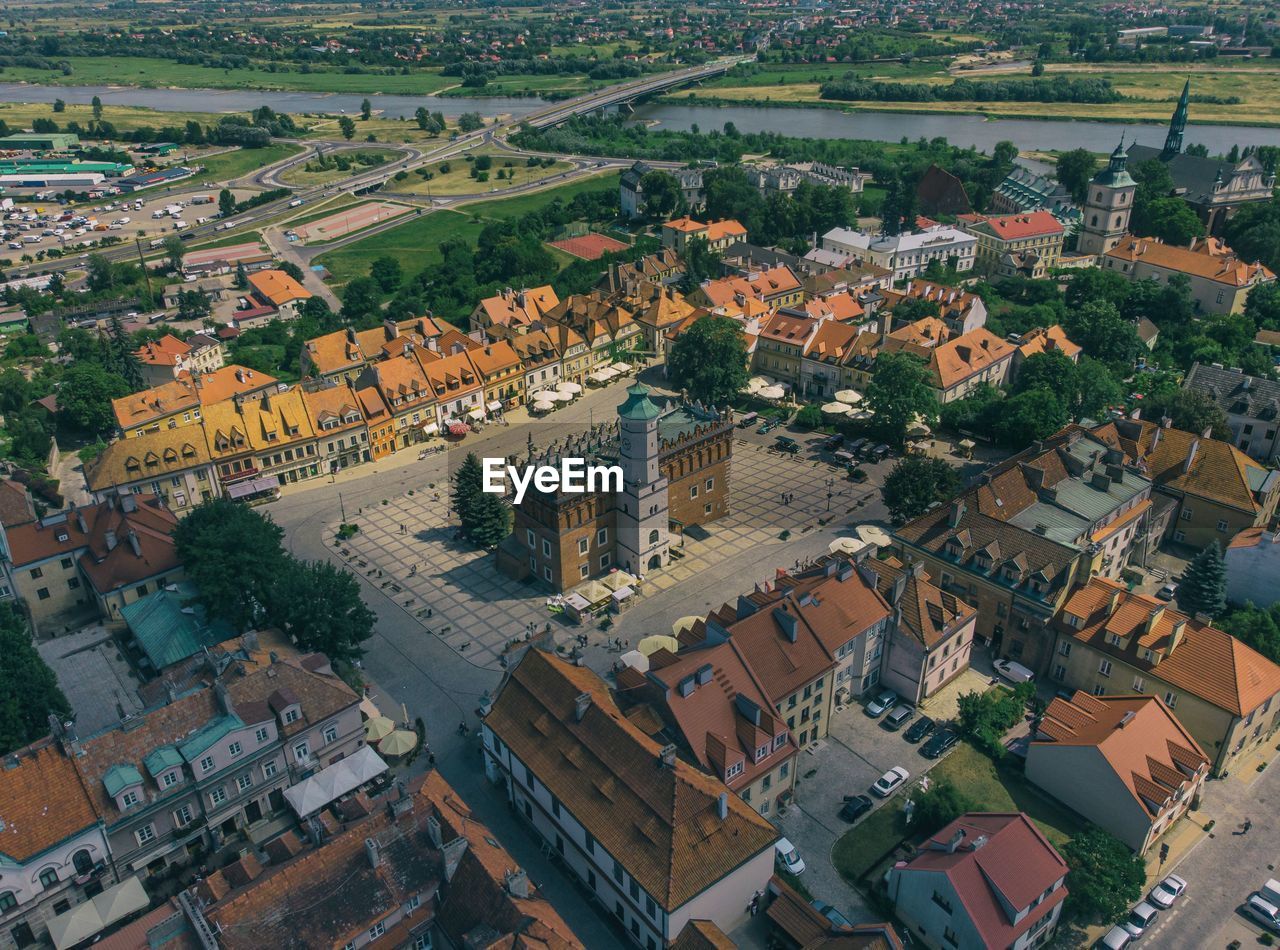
<point>1177,125</point>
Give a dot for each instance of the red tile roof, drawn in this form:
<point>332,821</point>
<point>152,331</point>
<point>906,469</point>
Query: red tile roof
<point>42,802</point>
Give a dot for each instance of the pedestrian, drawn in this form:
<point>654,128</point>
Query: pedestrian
<point>1248,823</point>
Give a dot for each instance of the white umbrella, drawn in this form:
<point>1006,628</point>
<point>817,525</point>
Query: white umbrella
<point>561,396</point>
<point>545,395</point>
<point>477,413</point>
<point>846,546</point>
<point>568,387</point>
<point>772,392</point>
<point>543,406</point>
<point>762,380</point>
<point>918,428</point>
<point>850,396</point>
<point>873,534</point>
<point>636,660</point>
<point>621,367</point>
<point>753,386</point>
<point>836,409</point>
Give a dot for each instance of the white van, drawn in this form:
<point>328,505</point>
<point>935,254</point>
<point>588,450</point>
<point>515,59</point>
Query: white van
<point>1270,891</point>
<point>787,857</point>
<point>1013,672</point>
<point>1263,911</point>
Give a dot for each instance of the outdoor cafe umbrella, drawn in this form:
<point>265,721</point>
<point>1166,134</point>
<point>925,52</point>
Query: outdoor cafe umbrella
<point>772,392</point>
<point>683,624</point>
<point>378,728</point>
<point>848,546</point>
<point>543,395</point>
<point>849,396</point>
<point>542,405</point>
<point>560,396</point>
<point>651,645</point>
<point>400,742</point>
<point>568,387</point>
<point>873,534</point>
<point>836,408</point>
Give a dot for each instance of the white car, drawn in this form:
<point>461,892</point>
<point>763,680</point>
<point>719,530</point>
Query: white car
<point>1167,891</point>
<point>888,783</point>
<point>1013,672</point>
<point>787,857</point>
<point>1263,911</point>
<point>1139,919</point>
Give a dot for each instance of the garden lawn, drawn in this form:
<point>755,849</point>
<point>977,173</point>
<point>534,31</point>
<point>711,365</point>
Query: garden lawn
<point>415,244</point>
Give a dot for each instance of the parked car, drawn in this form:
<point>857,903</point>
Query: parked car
<point>1140,919</point>
<point>919,729</point>
<point>878,454</point>
<point>829,912</point>
<point>898,718</point>
<point>1263,911</point>
<point>882,703</point>
<point>747,421</point>
<point>787,857</point>
<point>786,444</point>
<point>1167,592</point>
<point>1270,891</point>
<point>1117,938</point>
<point>1013,672</point>
<point>834,442</point>
<point>856,445</point>
<point>1167,891</point>
<point>942,742</point>
<point>891,781</point>
<point>855,806</point>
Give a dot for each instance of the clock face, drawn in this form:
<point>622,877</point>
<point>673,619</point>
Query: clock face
<point>626,443</point>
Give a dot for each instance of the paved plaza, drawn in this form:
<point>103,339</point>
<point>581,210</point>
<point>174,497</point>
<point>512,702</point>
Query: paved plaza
<point>406,546</point>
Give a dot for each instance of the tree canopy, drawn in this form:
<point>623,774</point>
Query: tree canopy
<point>1105,876</point>
<point>915,483</point>
<point>710,360</point>
<point>29,691</point>
<point>233,554</point>
<point>899,393</point>
<point>1203,589</point>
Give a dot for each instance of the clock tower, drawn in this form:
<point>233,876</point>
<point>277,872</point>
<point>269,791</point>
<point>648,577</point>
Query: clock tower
<point>1108,205</point>
<point>642,510</point>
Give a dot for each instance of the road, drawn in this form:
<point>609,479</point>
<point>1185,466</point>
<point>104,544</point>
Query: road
<point>551,115</point>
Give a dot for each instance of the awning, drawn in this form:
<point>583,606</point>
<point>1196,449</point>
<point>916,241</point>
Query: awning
<point>476,413</point>
<point>621,367</point>
<point>495,405</point>
<point>253,487</point>
<point>334,781</point>
<point>93,916</point>
<point>431,428</point>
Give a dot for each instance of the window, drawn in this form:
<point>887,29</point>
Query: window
<point>36,573</point>
<point>693,491</point>
<point>82,861</point>
<point>234,749</point>
<point>1222,526</point>
<point>263,734</point>
<point>602,536</point>
<point>415,902</point>
<point>8,901</point>
<point>43,593</point>
<point>604,560</point>
<point>1104,667</point>
<point>66,563</point>
<point>145,833</point>
<point>1139,684</point>
<point>48,877</point>
<point>269,769</point>
<point>733,771</point>
<point>1171,699</point>
<point>1186,514</point>
<point>546,573</point>
<point>206,764</point>
<point>546,548</point>
<point>330,734</point>
<point>584,571</point>
<point>245,782</point>
<point>292,715</point>
<point>582,545</point>
<point>217,796</point>
<point>711,483</point>
<point>302,751</point>
<point>377,930</point>
<point>528,534</point>
<point>73,583</point>
<point>169,779</point>
<point>182,817</point>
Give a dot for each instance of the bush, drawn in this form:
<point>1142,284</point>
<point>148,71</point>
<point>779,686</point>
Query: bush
<point>986,717</point>
<point>809,417</point>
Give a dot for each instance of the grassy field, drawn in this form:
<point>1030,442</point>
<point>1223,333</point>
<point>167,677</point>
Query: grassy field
<point>299,177</point>
<point>20,115</point>
<point>458,180</point>
<point>526,85</point>
<point>241,162</point>
<point>415,243</point>
<point>160,73</point>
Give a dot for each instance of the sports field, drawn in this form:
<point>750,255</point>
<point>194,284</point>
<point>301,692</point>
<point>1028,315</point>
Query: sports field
<point>589,247</point>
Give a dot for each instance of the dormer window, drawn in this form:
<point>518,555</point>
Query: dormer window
<point>779,740</point>
<point>733,771</point>
<point>129,799</point>
<point>762,751</point>
<point>292,715</point>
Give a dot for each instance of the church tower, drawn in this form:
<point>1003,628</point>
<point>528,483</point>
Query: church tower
<point>1107,205</point>
<point>1177,125</point>
<point>642,510</point>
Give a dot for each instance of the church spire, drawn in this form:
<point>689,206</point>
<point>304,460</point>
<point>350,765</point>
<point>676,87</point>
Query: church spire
<point>1177,125</point>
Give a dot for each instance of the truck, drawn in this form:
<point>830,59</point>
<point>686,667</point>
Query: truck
<point>296,202</point>
<point>179,224</point>
<point>174,211</point>
<point>159,213</point>
<point>202,200</point>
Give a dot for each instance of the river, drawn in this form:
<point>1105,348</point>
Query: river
<point>963,130</point>
<point>244,100</point>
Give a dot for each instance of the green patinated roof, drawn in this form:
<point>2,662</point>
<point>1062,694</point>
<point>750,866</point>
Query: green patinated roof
<point>639,406</point>
<point>120,777</point>
<point>167,632</point>
<point>162,759</point>
<point>207,735</point>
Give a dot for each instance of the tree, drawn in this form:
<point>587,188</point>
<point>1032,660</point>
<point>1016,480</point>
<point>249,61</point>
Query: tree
<point>1189,410</point>
<point>386,273</point>
<point>915,483</point>
<point>986,717</point>
<point>347,126</point>
<point>366,110</point>
<point>912,309</point>
<point>467,487</point>
<point>1169,219</point>
<point>470,122</point>
<point>96,104</point>
<point>700,263</point>
<point>1105,876</point>
<point>1253,232</point>
<point>193,305</point>
<point>59,105</point>
<point>226,203</point>
<point>1051,370</point>
<point>809,416</point>
<point>320,605</point>
<point>29,691</point>
<point>1105,335</point>
<point>1204,584</point>
<point>1096,390</point>
<point>422,117</point>
<point>710,360</point>
<point>84,398</point>
<point>936,808</point>
<point>242,278</point>
<point>175,249</point>
<point>121,355</point>
<point>360,299</point>
<point>1028,416</point>
<point>1075,170</point>
<point>1256,626</point>
<point>898,394</point>
<point>491,521</point>
<point>213,542</point>
<point>662,196</point>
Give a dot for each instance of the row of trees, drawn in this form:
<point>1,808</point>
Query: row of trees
<point>852,88</point>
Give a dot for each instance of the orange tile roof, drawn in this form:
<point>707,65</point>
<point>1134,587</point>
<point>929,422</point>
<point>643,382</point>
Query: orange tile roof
<point>774,282</point>
<point>1201,660</point>
<point>784,327</point>
<point>519,308</point>
<point>967,355</point>
<point>660,822</point>
<point>42,802</point>
<point>717,230</point>
<point>166,351</point>
<point>926,332</point>
<point>686,225</point>
<point>494,358</point>
<point>832,342</point>
<point>334,402</point>
<point>1048,340</point>
<point>1138,736</point>
<point>401,379</point>
<point>1207,258</point>
<point>277,287</point>
<point>1017,227</point>
<point>927,613</point>
<point>842,306</point>
<point>449,376</point>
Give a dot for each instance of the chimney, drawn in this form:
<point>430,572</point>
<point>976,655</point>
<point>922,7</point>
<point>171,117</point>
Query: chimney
<point>80,523</point>
<point>110,538</point>
<point>1175,635</point>
<point>128,503</point>
<point>955,841</point>
<point>453,852</point>
<point>240,374</point>
<point>1191,455</point>
<point>351,338</point>
<point>434,832</point>
<point>581,703</point>
<point>956,513</point>
<point>517,883</point>
<point>371,850</point>
<point>667,756</point>
<point>722,806</point>
<point>134,544</point>
<point>224,699</point>
<point>391,328</point>
<point>1204,619</point>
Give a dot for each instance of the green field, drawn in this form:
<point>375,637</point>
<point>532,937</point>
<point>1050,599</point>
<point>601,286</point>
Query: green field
<point>299,177</point>
<point>458,180</point>
<point>525,85</point>
<point>243,161</point>
<point>415,243</point>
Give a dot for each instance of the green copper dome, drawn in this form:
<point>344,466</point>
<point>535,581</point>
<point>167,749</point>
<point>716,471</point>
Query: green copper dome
<point>638,407</point>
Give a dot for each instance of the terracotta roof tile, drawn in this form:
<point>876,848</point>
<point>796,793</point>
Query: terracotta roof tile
<point>42,802</point>
<point>1207,258</point>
